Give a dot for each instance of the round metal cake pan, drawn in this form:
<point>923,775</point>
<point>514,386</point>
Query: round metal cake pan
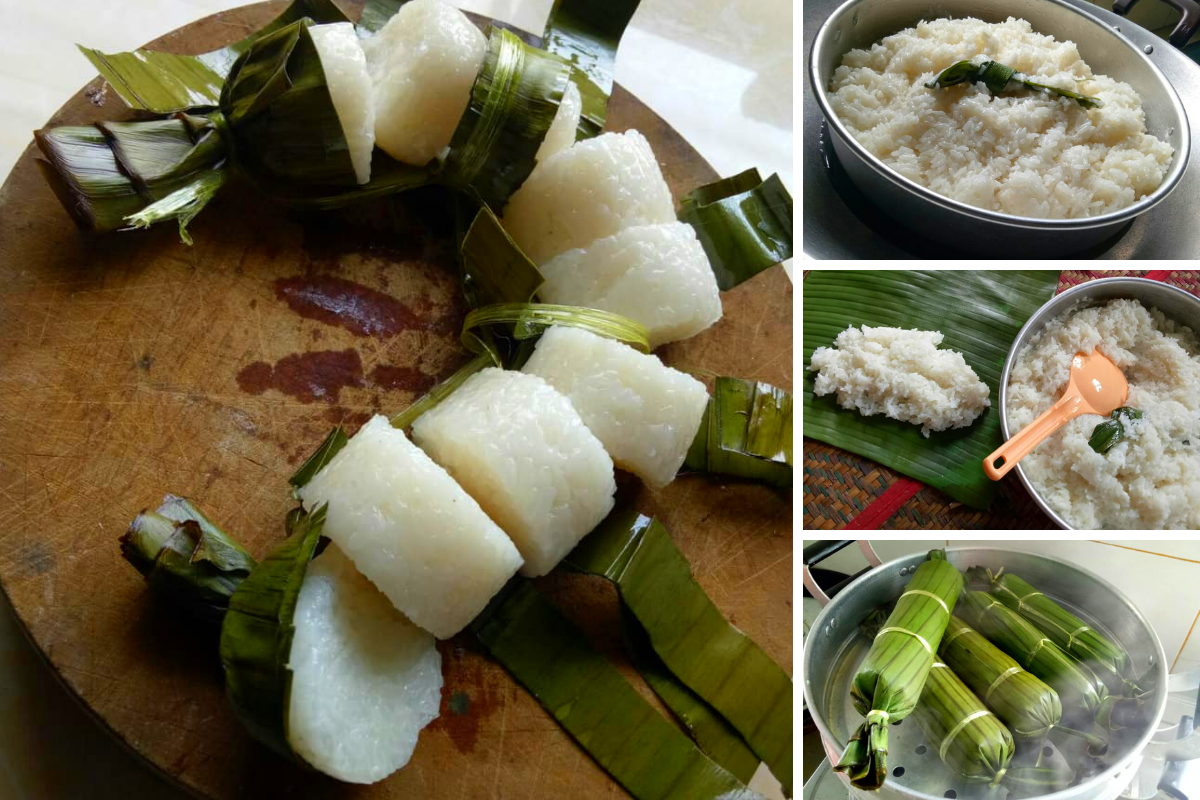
<point>860,23</point>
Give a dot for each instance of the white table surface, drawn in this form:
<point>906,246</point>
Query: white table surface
<point>719,71</point>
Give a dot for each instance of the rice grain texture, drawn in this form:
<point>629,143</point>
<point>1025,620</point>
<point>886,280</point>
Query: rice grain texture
<point>1151,478</point>
<point>901,374</point>
<point>1024,152</point>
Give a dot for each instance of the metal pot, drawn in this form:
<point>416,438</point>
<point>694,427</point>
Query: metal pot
<point>1177,304</point>
<point>860,23</point>
<point>834,649</point>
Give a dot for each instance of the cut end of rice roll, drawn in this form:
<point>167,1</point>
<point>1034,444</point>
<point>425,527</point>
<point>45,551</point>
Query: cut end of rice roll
<point>594,188</point>
<point>643,412</point>
<point>658,275</point>
<point>561,133</point>
<point>422,64</point>
<point>411,529</point>
<point>345,68</point>
<point>520,448</point>
<point>365,680</point>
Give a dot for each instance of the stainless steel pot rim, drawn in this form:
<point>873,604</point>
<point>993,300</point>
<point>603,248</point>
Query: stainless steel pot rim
<point>1172,179</point>
<point>1071,793</point>
<point>1012,355</point>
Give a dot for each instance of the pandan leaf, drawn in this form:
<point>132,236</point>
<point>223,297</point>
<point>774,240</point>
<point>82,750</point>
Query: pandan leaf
<point>513,101</point>
<point>108,175</point>
<point>438,393</point>
<point>186,557</point>
<point>716,737</point>
<point>744,224</point>
<point>586,34</point>
<point>746,433</point>
<point>999,77</point>
<point>256,637</point>
<point>376,13</point>
<point>281,116</point>
<point>980,312</point>
<point>182,205</point>
<point>163,83</point>
<point>324,453</point>
<point>524,321</point>
<point>586,695</point>
<point>696,643</point>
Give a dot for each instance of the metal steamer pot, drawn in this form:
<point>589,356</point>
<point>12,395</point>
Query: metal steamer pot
<point>861,23</point>
<point>835,648</point>
<point>1177,304</point>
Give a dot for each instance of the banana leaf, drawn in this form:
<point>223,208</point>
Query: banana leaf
<point>513,102</point>
<point>586,34</point>
<point>1110,661</point>
<point>186,557</point>
<point>968,738</point>
<point>719,741</point>
<point>104,174</point>
<point>1028,706</point>
<point>494,269</point>
<point>746,432</point>
<point>586,695</point>
<point>719,663</point>
<point>1081,693</point>
<point>980,312</point>
<point>256,636</point>
<point>744,224</point>
<point>163,83</point>
<point>376,13</point>
<point>890,679</point>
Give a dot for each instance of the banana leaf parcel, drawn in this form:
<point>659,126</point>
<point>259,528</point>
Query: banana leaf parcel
<point>973,742</point>
<point>890,679</point>
<point>1111,662</point>
<point>980,313</point>
<point>1082,694</point>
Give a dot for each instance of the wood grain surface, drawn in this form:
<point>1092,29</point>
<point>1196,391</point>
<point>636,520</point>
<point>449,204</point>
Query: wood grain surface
<point>132,365</point>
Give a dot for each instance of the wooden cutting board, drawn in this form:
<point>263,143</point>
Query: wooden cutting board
<point>132,365</point>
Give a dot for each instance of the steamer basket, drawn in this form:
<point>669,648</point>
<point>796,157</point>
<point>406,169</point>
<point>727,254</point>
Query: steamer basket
<point>834,648</point>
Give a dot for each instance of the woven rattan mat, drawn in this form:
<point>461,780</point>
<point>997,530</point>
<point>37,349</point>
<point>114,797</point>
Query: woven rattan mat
<point>839,485</point>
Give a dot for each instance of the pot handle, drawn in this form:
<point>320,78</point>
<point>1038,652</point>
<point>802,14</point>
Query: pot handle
<point>1188,24</point>
<point>822,549</point>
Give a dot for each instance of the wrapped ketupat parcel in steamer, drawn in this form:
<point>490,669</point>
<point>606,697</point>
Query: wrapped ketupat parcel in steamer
<point>891,678</point>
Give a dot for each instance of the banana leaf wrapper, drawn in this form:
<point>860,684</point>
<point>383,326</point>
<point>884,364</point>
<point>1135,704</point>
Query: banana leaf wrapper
<point>1080,692</point>
<point>186,557</point>
<point>746,432</point>
<point>588,697</point>
<point>257,634</point>
<point>980,312</point>
<point>1109,660</point>
<point>1024,703</point>
<point>891,678</point>
<point>700,648</point>
<point>969,738</point>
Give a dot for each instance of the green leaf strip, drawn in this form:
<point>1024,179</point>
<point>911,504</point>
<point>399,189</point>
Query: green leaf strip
<point>980,313</point>
<point>163,83</point>
<point>586,34</point>
<point>513,102</point>
<point>723,666</point>
<point>494,268</point>
<point>716,737</point>
<point>256,637</point>
<point>744,224</point>
<point>590,699</point>
<point>746,433</point>
<point>438,393</point>
<point>324,453</point>
<point>528,320</point>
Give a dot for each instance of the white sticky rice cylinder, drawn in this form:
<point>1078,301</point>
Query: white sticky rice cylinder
<point>345,68</point>
<point>365,680</point>
<point>411,529</point>
<point>422,63</point>
<point>643,412</point>
<point>658,275</point>
<point>593,189</point>
<point>561,133</point>
<point>520,448</point>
